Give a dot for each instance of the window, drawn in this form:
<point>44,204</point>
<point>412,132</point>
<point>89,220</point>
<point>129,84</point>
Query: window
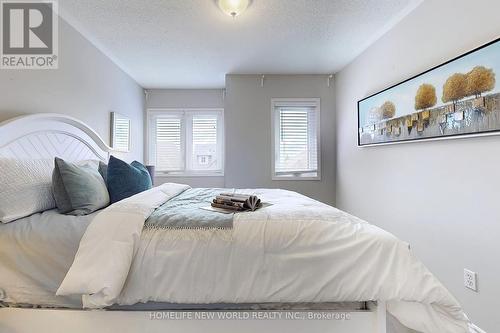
<point>186,142</point>
<point>296,147</point>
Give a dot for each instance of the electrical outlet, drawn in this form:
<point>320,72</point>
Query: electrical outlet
<point>470,279</point>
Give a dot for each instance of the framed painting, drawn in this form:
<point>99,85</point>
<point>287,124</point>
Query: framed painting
<point>456,99</point>
<point>120,132</point>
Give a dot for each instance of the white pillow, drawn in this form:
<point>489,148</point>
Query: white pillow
<point>25,188</point>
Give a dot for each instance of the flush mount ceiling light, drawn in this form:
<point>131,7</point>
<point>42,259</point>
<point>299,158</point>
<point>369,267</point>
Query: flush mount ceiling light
<point>233,7</point>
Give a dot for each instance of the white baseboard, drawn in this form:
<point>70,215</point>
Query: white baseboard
<point>476,329</point>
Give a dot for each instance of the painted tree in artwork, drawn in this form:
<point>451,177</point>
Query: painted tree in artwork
<point>455,88</point>
<point>388,110</point>
<point>426,97</point>
<point>374,116</point>
<point>480,79</point>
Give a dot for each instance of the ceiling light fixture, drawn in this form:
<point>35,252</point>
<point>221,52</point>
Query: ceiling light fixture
<point>233,7</point>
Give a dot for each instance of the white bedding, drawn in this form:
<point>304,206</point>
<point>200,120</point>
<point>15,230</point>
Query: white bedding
<point>297,250</point>
<point>35,255</point>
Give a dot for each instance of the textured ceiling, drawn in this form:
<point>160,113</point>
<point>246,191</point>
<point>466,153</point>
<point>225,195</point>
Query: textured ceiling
<point>192,44</point>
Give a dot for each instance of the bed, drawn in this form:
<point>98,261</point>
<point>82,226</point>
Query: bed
<point>296,253</point>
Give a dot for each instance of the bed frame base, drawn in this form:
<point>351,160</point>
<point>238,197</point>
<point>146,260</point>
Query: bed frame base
<point>79,321</point>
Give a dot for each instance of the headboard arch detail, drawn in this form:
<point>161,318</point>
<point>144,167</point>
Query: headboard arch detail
<point>47,135</point>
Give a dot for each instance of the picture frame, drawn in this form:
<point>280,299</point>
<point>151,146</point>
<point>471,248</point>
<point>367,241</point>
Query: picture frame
<point>120,132</point>
<point>456,99</point>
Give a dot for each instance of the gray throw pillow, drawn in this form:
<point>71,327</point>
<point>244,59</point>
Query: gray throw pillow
<point>103,170</point>
<point>78,190</point>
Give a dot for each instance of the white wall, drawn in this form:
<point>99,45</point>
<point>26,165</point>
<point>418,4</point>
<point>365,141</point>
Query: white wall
<point>87,86</point>
<point>187,98</point>
<point>442,197</point>
<point>248,131</point>
<point>247,114</point>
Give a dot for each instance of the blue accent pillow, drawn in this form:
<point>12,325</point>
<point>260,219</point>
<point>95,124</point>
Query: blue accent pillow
<point>125,180</point>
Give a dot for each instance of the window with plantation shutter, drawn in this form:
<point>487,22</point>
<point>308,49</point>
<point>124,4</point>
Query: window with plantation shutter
<point>168,144</point>
<point>204,155</point>
<point>186,142</point>
<point>296,139</point>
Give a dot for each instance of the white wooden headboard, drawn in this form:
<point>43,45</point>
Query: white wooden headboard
<point>47,135</point>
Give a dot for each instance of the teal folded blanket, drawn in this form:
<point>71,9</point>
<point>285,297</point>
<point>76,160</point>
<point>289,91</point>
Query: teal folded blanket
<point>184,212</point>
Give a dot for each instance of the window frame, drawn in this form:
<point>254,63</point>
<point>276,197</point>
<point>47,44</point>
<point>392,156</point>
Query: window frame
<point>186,113</point>
<point>307,102</point>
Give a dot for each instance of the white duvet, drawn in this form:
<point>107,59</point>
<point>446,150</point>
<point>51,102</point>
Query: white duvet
<point>297,250</point>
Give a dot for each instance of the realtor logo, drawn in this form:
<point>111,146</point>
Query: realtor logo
<point>29,34</point>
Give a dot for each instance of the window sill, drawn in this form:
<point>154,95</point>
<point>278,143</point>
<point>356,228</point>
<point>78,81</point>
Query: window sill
<point>188,175</point>
<point>293,178</point>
